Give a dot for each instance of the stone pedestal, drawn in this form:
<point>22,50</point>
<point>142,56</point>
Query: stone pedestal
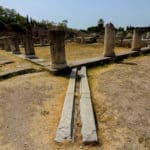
<point>43,40</point>
<point>28,45</point>
<point>1,44</point>
<point>136,41</point>
<point>15,45</point>
<point>109,41</point>
<point>7,44</point>
<point>82,39</point>
<point>57,46</point>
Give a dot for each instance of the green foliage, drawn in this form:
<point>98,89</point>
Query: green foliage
<point>10,20</point>
<point>62,25</point>
<point>100,25</point>
<point>7,15</point>
<point>99,28</point>
<point>121,29</point>
<point>3,26</point>
<point>18,28</point>
<point>93,29</point>
<point>129,29</point>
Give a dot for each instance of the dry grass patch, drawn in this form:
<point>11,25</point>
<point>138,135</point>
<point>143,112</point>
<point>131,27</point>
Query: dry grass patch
<point>30,111</point>
<point>76,51</point>
<point>121,96</point>
<point>18,63</point>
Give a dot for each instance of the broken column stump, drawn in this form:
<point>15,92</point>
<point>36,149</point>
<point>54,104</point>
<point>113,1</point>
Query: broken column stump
<point>15,45</point>
<point>57,49</point>
<point>109,41</point>
<point>6,42</point>
<point>136,41</point>
<point>28,45</point>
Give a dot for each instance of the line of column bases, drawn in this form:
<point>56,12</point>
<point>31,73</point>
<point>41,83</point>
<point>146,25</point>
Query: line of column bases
<point>57,45</point>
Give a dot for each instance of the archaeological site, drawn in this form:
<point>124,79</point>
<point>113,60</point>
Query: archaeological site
<point>73,85</point>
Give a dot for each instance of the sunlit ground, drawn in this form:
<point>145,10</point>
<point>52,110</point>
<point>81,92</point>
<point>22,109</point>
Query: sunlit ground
<point>76,51</point>
<point>120,94</point>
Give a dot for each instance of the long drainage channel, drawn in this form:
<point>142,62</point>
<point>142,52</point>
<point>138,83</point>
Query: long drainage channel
<point>77,118</point>
<point>77,121</point>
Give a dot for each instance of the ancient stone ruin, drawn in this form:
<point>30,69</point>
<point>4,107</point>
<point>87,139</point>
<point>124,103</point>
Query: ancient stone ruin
<point>15,44</point>
<point>109,40</point>
<point>136,41</point>
<point>6,41</point>
<point>57,45</point>
<point>11,43</point>
<point>28,44</point>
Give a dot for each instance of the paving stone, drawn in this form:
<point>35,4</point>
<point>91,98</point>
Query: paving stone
<point>90,61</point>
<point>126,55</point>
<point>145,50</point>
<point>31,56</point>
<point>65,127</point>
<point>3,62</point>
<point>44,64</point>
<point>8,74</point>
<point>38,60</point>
<point>88,130</point>
<point>21,56</point>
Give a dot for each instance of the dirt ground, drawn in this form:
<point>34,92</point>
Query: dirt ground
<point>30,108</point>
<point>31,105</point>
<point>17,62</point>
<point>121,98</point>
<point>76,51</point>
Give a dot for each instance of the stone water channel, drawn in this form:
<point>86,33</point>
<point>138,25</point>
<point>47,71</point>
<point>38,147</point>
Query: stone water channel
<point>77,120</point>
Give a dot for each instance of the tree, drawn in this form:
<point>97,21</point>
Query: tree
<point>18,28</point>
<point>63,24</point>
<point>2,26</point>
<point>93,29</point>
<point>100,25</point>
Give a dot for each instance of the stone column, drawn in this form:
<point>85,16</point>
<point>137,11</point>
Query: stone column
<point>42,41</point>
<point>15,45</point>
<point>82,39</point>
<point>109,41</point>
<point>1,44</point>
<point>136,40</point>
<point>28,45</point>
<point>7,44</point>
<point>57,46</point>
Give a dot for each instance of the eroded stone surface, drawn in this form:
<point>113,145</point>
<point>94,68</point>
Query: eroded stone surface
<point>109,41</point>
<point>28,44</point>
<point>136,41</point>
<point>86,111</point>
<point>65,127</point>
<point>57,44</point>
<point>3,62</point>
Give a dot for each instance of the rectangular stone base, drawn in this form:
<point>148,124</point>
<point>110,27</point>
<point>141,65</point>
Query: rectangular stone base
<point>31,56</point>
<point>62,71</point>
